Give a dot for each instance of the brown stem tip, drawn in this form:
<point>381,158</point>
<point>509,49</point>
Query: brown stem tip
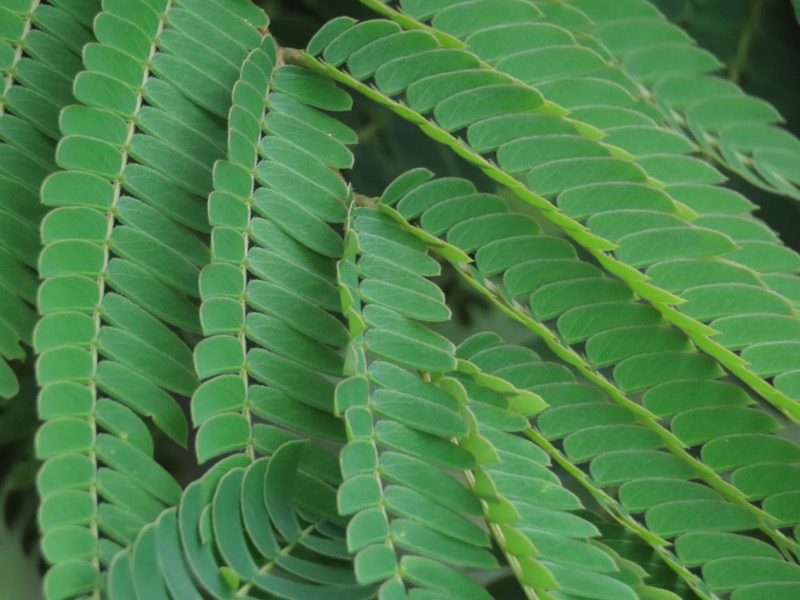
<point>294,57</point>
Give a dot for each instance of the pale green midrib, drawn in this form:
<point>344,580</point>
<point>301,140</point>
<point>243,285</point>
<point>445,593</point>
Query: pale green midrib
<point>497,534</point>
<point>355,320</point>
<point>643,416</point>
<point>658,298</point>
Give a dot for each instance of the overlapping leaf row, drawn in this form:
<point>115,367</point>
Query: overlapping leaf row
<point>270,300</point>
<point>405,430</point>
<point>269,295</point>
<point>622,443</point>
<point>672,251</point>
<point>453,87</point>
<point>238,532</point>
<point>121,264</point>
<point>400,427</point>
<point>40,54</point>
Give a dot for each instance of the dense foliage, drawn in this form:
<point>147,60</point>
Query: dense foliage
<point>464,300</point>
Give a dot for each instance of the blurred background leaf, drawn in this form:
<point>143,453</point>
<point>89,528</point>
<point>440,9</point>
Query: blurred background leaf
<point>759,42</point>
<point>20,564</point>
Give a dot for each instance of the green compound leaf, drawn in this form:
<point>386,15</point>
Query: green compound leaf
<point>588,434</point>
<point>269,296</point>
<point>558,171</point>
<point>200,241</point>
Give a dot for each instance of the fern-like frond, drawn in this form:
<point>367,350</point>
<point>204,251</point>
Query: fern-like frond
<point>121,265</point>
<point>205,256</point>
<point>404,429</point>
<point>394,465</point>
<point>40,45</point>
<point>224,400</point>
<point>270,313</point>
<point>598,90</point>
<point>513,260</point>
<point>238,532</point>
<point>491,114</point>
